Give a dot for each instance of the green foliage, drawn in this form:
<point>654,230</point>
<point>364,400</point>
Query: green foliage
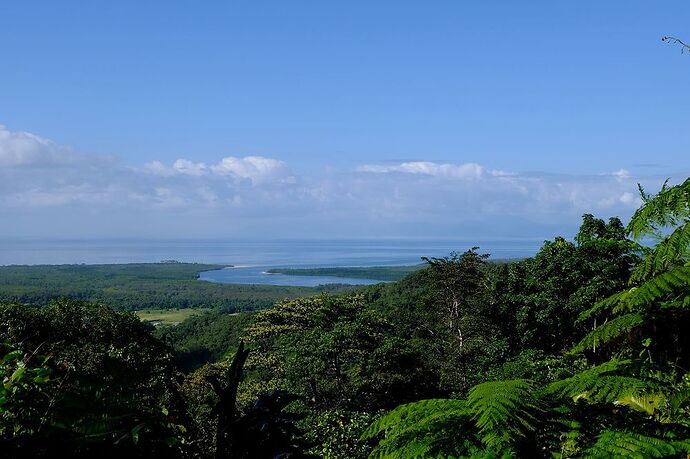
<point>540,297</point>
<point>601,384</point>
<point>656,303</point>
<point>495,417</point>
<point>338,433</point>
<point>561,355</point>
<point>668,208</point>
<point>458,281</point>
<point>504,411</point>
<point>613,443</point>
<point>113,384</point>
<point>134,287</point>
<point>204,338</point>
<point>428,428</point>
<point>335,352</point>
<point>464,326</point>
<point>382,273</point>
<point>23,378</point>
<point>610,331</point>
<point>631,400</point>
<point>265,428</point>
<point>670,252</point>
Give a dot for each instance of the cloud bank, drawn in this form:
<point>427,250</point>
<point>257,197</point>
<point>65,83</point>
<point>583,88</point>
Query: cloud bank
<point>49,189</point>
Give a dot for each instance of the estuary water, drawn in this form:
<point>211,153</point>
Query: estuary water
<point>251,259</point>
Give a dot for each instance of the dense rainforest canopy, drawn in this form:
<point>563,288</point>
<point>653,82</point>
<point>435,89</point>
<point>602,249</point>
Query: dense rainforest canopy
<point>579,351</point>
<point>137,286</point>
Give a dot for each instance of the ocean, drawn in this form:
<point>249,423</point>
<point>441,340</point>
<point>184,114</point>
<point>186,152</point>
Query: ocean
<point>252,258</point>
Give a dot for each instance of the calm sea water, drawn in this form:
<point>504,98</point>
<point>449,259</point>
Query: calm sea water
<point>252,258</point>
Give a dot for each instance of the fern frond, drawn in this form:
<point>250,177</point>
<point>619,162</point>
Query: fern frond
<point>602,384</point>
<point>658,289</point>
<point>682,302</point>
<point>102,426</point>
<point>614,443</point>
<point>607,305</point>
<point>660,286</point>
<point>680,399</point>
<point>489,454</point>
<point>428,428</point>
<point>609,331</point>
<point>666,208</point>
<point>504,410</point>
<point>673,250</point>
<point>645,403</point>
<point>412,413</point>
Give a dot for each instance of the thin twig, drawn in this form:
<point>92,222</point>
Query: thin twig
<point>676,41</point>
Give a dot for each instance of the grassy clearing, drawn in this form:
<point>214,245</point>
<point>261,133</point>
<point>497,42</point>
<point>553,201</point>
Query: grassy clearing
<point>168,316</point>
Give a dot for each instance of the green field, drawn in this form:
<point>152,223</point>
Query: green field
<point>159,317</point>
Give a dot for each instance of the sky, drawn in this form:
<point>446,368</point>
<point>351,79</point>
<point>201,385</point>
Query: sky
<point>492,119</point>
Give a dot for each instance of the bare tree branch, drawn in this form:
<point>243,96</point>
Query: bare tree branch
<point>676,41</point>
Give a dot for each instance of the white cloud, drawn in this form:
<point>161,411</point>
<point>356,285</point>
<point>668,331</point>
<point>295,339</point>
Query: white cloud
<point>474,191</point>
<point>630,199</point>
<point>255,168</point>
<point>158,168</point>
<point>622,174</point>
<point>460,171</point>
<point>264,192</point>
<point>184,166</point>
<point>23,149</point>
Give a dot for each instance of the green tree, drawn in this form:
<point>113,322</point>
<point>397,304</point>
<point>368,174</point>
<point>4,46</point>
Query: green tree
<point>335,352</point>
<point>629,399</point>
<point>540,296</point>
<point>458,280</point>
<point>24,378</point>
<point>114,391</point>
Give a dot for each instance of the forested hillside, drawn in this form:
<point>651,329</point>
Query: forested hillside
<point>579,351</point>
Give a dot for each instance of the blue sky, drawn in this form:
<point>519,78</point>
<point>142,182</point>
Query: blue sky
<point>399,100</point>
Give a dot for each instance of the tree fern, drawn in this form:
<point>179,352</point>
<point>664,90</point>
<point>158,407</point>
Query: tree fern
<point>504,410</point>
<point>575,416</point>
<point>661,286</point>
<point>602,384</point>
<point>613,303</point>
<point>429,428</point>
<point>495,417</point>
<point>616,443</point>
<point>610,331</point>
<point>666,286</point>
<point>667,208</point>
<point>672,251</point>
<point>648,403</point>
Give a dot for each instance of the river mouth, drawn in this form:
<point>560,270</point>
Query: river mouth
<point>259,275</point>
